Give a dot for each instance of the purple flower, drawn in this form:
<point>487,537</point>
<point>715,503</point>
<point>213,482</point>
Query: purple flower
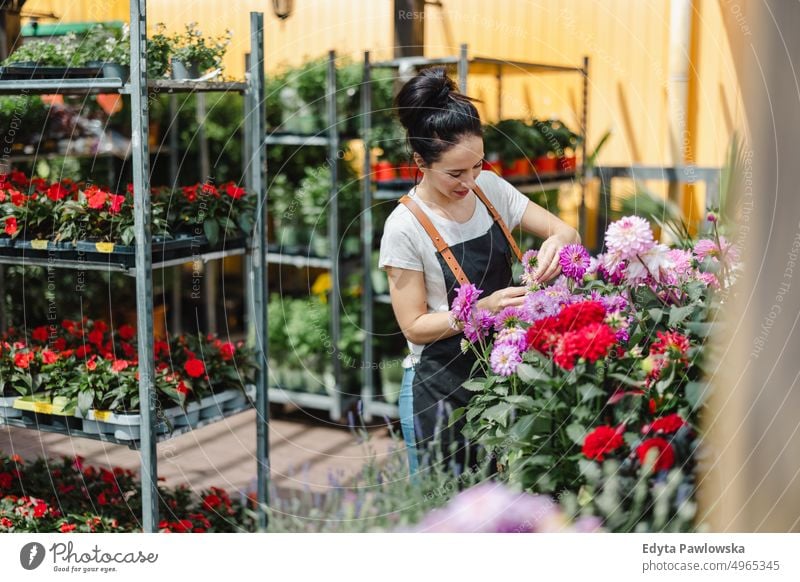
<point>510,317</point>
<point>529,264</point>
<point>463,304</point>
<point>492,507</point>
<point>479,324</point>
<point>546,302</point>
<point>514,336</point>
<point>505,358</point>
<point>574,260</point>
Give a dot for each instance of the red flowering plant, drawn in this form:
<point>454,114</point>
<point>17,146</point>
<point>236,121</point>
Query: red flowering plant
<point>601,370</point>
<point>209,364</point>
<point>69,496</point>
<point>97,214</point>
<point>216,212</point>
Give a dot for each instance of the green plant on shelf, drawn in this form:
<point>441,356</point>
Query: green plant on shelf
<point>106,44</point>
<point>512,139</point>
<point>42,53</point>
<point>192,48</point>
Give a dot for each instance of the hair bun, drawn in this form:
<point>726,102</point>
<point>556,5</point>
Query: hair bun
<point>434,113</point>
<point>430,89</point>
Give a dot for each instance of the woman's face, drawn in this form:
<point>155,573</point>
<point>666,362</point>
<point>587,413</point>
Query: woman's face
<point>453,174</point>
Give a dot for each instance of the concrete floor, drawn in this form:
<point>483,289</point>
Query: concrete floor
<point>304,450</point>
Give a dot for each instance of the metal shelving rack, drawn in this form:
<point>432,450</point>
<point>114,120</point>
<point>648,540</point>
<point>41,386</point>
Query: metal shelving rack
<point>337,403</point>
<point>393,189</point>
<point>138,88</point>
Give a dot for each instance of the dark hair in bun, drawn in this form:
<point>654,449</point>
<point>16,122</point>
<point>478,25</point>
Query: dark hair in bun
<point>435,114</point>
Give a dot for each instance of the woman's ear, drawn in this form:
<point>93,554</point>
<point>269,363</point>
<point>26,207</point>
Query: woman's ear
<point>420,163</point>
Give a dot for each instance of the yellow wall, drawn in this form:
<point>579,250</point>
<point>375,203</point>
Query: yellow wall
<point>627,41</point>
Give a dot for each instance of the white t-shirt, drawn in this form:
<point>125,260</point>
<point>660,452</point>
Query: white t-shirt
<point>406,245</point>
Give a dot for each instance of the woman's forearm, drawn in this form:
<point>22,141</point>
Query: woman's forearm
<point>430,327</point>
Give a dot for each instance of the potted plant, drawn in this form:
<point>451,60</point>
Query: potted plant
<point>159,48</point>
<point>193,54</point>
<point>108,49</point>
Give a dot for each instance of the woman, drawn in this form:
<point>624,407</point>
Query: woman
<point>451,228</point>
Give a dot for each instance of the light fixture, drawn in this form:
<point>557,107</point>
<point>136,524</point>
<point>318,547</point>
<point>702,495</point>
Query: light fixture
<point>282,8</point>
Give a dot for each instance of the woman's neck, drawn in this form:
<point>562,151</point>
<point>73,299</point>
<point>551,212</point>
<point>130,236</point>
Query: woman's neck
<point>457,210</point>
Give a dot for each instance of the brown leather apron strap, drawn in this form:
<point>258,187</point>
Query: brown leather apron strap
<point>499,220</point>
<point>437,239</point>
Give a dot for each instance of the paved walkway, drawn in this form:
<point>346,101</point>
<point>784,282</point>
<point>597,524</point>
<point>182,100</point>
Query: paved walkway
<point>304,451</point>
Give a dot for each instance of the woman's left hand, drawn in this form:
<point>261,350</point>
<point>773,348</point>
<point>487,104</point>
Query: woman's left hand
<point>549,253</point>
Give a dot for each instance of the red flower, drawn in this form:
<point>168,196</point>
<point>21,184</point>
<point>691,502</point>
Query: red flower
<point>673,343</point>
<point>83,351</point>
<point>100,326</point>
<point>40,334</point>
<point>576,316</point>
<point>5,480</point>
<point>59,344</point>
<point>116,203</point>
<point>601,441</point>
<point>234,191</point>
<point>56,192</point>
<point>209,188</point>
<point>227,350</point>
<point>126,332</point>
<point>212,501</point>
<point>182,388</point>
<point>161,347</point>
<point>97,198</point>
<point>17,198</point>
<point>101,498</point>
<point>590,343</point>
<point>11,226</point>
<point>119,365</point>
<point>96,337</point>
<point>40,509</point>
<point>23,360</point>
<point>128,350</point>
<point>666,425</point>
<point>5,522</point>
<point>542,335</point>
<point>195,368</point>
<point>91,363</point>
<point>665,458</point>
<point>67,527</point>
<point>49,357</point>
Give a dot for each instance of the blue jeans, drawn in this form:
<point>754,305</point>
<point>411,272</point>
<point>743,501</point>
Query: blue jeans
<point>406,406</point>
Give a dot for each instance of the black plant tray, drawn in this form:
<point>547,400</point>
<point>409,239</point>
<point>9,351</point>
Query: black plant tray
<point>29,72</point>
<point>112,254</point>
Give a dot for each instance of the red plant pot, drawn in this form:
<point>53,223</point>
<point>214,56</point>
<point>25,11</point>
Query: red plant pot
<point>495,166</point>
<point>383,171</point>
<point>405,171</point>
<point>519,167</point>
<point>546,164</point>
<point>567,164</point>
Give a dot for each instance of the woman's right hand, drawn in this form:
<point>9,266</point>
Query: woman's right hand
<point>502,298</point>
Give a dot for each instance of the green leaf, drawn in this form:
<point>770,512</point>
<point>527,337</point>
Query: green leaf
<point>529,374</point>
<point>246,223</point>
<point>211,230</point>
<point>696,393</point>
<point>85,400</point>
<point>474,385</point>
<point>498,413</point>
<point>525,402</point>
<point>127,235</point>
<point>577,433</point>
<point>522,429</point>
<point>457,413</point>
<point>656,313</point>
<point>700,328</point>
<point>678,314</point>
<point>626,380</point>
<point>589,391</point>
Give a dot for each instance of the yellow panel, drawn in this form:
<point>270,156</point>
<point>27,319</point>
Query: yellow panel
<point>627,41</point>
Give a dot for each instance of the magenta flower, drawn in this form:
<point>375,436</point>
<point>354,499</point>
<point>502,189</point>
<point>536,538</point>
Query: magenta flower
<point>514,336</point>
<point>479,325</point>
<point>574,260</point>
<point>505,358</point>
<point>510,317</point>
<point>463,304</point>
<point>708,248</point>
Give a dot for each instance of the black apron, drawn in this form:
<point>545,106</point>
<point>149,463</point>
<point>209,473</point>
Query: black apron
<point>443,368</point>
